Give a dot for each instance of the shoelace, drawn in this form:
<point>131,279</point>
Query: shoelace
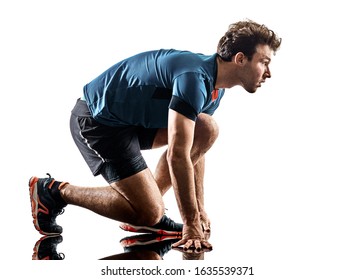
<point>57,212</point>
<point>60,256</point>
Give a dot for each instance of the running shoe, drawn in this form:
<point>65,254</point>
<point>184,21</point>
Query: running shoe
<point>166,226</point>
<point>46,248</point>
<point>159,244</point>
<point>46,204</point>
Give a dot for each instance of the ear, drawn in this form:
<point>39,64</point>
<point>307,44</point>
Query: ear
<point>240,58</point>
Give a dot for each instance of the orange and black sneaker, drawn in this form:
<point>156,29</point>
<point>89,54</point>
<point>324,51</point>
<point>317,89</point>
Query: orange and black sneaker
<point>46,248</point>
<point>166,226</point>
<point>46,204</point>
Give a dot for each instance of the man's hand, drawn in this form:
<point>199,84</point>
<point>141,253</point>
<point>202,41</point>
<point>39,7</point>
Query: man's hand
<point>205,222</point>
<point>193,238</point>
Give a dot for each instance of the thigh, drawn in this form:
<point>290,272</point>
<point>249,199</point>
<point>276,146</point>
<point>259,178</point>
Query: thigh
<point>120,149</point>
<point>146,137</point>
<point>205,125</point>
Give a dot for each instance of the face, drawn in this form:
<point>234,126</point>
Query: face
<point>256,71</point>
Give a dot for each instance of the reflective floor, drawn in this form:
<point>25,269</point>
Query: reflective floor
<point>133,247</point>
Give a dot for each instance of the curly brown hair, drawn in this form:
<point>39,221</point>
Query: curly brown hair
<point>245,36</point>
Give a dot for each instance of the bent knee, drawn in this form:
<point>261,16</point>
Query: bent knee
<point>150,215</point>
<point>206,125</point>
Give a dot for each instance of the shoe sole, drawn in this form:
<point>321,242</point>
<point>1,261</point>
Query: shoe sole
<point>35,201</point>
<point>146,240</point>
<point>145,229</point>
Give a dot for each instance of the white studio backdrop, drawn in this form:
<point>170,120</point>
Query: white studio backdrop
<point>280,174</point>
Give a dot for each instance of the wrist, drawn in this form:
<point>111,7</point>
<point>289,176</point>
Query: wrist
<point>192,220</point>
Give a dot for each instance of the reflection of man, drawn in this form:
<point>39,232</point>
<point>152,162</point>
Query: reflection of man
<point>136,247</point>
<point>156,98</point>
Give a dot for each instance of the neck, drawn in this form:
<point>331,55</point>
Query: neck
<point>226,74</point>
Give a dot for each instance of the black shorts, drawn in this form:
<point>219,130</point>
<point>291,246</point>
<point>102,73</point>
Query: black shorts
<point>113,152</point>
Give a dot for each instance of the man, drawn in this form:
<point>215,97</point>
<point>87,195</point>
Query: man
<point>156,98</point>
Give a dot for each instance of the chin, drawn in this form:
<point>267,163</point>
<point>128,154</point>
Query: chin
<point>251,90</point>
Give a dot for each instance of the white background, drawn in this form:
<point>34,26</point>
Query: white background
<point>279,179</point>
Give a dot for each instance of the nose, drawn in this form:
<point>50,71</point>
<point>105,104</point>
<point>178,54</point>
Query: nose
<point>267,73</point>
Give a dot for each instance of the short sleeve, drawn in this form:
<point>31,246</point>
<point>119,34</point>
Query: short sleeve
<point>189,95</point>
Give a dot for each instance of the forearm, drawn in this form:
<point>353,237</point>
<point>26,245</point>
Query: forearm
<point>199,168</point>
<point>179,152</point>
<point>183,181</point>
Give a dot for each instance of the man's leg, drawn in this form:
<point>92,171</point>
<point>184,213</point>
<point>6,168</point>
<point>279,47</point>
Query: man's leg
<point>135,199</point>
<point>114,152</point>
<point>132,195</point>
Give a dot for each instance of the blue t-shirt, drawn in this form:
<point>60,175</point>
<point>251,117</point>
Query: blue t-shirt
<point>139,90</point>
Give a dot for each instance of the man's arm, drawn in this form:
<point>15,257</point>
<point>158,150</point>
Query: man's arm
<point>199,168</point>
<point>180,141</point>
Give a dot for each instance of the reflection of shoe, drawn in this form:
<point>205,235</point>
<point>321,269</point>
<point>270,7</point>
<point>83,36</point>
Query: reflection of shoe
<point>160,244</point>
<point>46,204</point>
<point>46,248</point>
<point>146,239</point>
<point>166,226</point>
